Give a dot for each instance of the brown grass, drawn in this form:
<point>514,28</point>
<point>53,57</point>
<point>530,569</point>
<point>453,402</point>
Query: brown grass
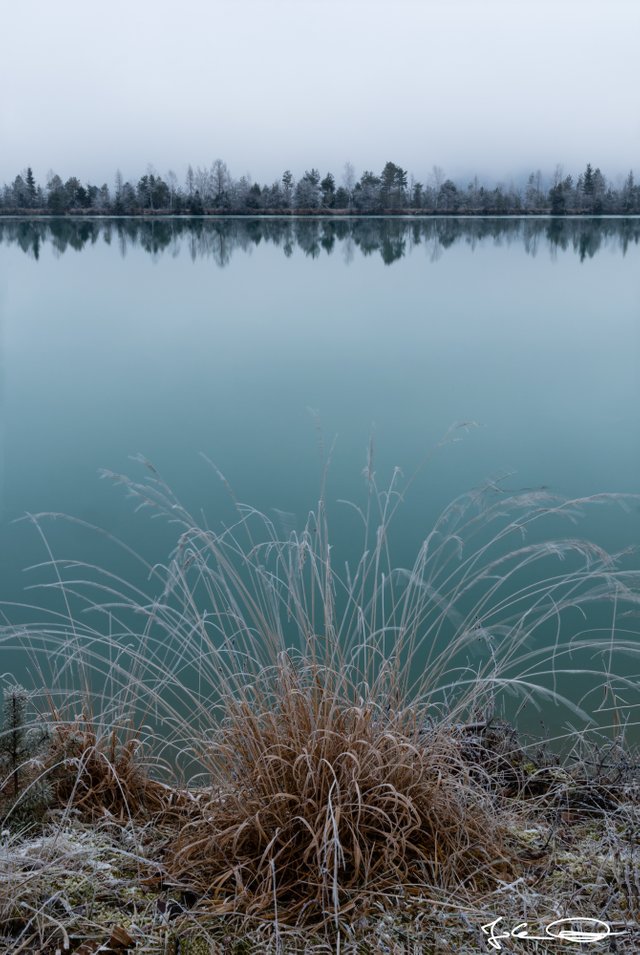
<point>324,803</point>
<point>100,774</point>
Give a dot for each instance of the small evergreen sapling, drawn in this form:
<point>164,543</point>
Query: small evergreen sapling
<point>23,795</point>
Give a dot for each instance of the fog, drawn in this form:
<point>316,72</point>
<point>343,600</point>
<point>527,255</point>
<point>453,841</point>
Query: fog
<point>498,88</point>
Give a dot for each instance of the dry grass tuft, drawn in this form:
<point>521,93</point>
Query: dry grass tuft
<point>100,775</point>
<point>327,802</point>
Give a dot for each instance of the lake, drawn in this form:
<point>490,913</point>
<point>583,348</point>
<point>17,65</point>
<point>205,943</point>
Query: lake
<point>257,342</point>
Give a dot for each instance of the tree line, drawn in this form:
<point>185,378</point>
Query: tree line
<point>214,191</point>
<point>390,239</point>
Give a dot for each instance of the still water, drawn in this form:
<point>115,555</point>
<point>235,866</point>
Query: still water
<point>259,342</point>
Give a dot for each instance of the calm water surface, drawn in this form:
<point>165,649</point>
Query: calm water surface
<point>170,338</point>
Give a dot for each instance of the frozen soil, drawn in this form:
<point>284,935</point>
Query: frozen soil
<point>85,884</point>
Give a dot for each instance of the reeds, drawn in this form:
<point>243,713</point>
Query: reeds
<point>315,720</point>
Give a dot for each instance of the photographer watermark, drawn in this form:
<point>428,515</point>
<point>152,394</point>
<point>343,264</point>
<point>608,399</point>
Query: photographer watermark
<point>579,930</point>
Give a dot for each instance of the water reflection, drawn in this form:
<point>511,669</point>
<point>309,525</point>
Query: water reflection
<point>391,239</point>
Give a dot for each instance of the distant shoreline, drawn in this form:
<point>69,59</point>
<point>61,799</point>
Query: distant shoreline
<point>215,192</point>
<point>303,214</point>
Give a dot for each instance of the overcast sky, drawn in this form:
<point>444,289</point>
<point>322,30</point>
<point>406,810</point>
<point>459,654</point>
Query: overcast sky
<point>494,86</point>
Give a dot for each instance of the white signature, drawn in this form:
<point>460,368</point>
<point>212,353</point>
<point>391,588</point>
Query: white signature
<point>578,930</point>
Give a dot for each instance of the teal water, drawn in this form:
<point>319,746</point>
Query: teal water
<point>171,338</point>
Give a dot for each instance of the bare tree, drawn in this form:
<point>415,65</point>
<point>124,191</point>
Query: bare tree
<point>349,180</point>
<point>437,178</point>
<point>349,177</point>
<point>203,183</point>
<point>190,181</point>
<point>220,180</point>
<point>172,182</point>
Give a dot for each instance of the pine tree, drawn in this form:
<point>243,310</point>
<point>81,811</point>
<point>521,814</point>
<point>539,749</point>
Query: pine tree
<point>587,182</point>
<point>328,187</point>
<point>287,187</point>
<point>628,194</point>
<point>31,186</point>
<point>13,743</point>
<point>557,200</point>
<point>23,798</point>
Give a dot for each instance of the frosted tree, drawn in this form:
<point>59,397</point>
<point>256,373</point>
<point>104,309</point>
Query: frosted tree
<point>328,187</point>
<point>31,186</point>
<point>204,185</point>
<point>287,188</point>
<point>220,182</point>
<point>308,193</point>
<point>190,181</point>
<point>349,181</point>
<point>23,796</point>
<point>436,180</point>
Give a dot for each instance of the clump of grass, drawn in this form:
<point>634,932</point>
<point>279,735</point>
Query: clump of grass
<point>100,773</point>
<point>321,713</point>
<point>324,802</point>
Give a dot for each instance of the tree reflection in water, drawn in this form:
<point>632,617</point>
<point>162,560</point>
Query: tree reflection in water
<point>392,239</point>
